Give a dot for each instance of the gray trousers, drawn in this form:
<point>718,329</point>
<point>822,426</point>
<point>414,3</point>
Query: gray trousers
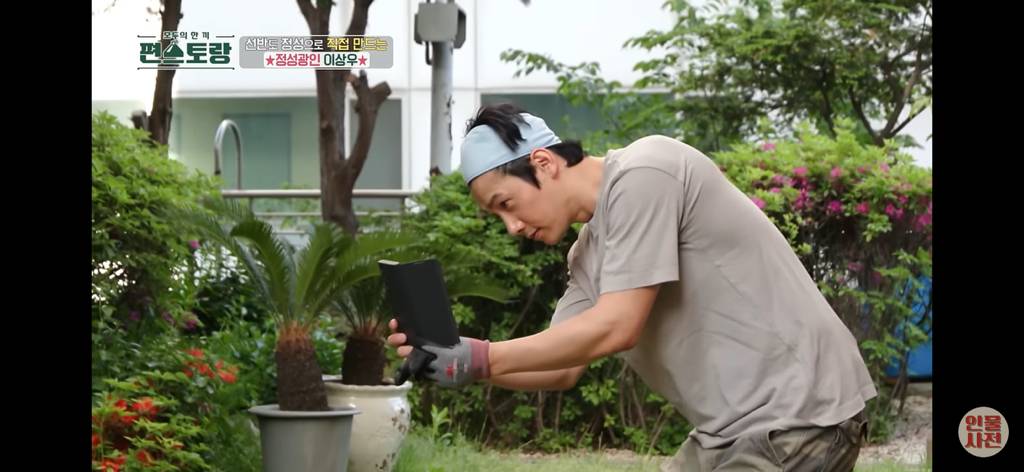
<point>833,448</point>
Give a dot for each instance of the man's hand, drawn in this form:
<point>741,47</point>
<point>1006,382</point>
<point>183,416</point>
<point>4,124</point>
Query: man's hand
<point>398,340</point>
<point>456,366</point>
<point>461,364</point>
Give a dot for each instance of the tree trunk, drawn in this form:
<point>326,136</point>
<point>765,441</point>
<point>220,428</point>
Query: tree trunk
<point>363,361</point>
<point>300,385</point>
<point>158,122</point>
<point>337,174</point>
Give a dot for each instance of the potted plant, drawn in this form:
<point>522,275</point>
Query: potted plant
<point>385,414</point>
<point>301,431</point>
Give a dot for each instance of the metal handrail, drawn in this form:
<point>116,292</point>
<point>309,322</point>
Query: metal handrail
<point>314,193</point>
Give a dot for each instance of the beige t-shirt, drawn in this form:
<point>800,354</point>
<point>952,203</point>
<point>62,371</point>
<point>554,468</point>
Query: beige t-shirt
<point>739,339</point>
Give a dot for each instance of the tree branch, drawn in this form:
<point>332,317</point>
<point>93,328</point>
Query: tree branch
<point>308,12</point>
<point>887,132</point>
<point>368,102</point>
<point>357,25</point>
<point>863,118</point>
<point>827,105</point>
<point>907,121</point>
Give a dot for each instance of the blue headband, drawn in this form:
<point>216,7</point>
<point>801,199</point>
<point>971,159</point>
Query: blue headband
<point>483,150</point>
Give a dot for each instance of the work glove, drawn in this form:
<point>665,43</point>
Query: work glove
<point>461,364</point>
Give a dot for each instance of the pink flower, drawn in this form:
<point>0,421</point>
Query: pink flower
<point>836,173</point>
<point>193,244</point>
<point>775,190</point>
<point>902,199</point>
<point>800,171</point>
<point>922,221</point>
<point>863,208</point>
<point>802,201</point>
<point>855,266</point>
<point>893,212</point>
<point>835,206</point>
<point>768,147</point>
<point>781,180</point>
<point>862,169</point>
<point>757,201</point>
<point>884,167</point>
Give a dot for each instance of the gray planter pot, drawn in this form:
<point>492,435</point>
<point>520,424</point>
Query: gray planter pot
<point>307,441</point>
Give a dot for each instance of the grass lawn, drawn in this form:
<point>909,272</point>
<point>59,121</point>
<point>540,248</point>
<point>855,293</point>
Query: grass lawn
<point>421,454</point>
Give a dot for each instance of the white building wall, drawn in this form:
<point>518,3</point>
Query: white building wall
<point>569,31</point>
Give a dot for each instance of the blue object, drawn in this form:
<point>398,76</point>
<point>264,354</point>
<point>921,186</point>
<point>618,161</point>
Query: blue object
<point>919,361</point>
<point>483,150</point>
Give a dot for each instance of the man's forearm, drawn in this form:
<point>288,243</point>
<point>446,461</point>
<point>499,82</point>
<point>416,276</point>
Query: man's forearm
<point>612,325</point>
<point>534,381</point>
<point>574,342</point>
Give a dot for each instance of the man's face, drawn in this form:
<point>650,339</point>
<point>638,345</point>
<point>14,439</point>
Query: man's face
<point>527,211</point>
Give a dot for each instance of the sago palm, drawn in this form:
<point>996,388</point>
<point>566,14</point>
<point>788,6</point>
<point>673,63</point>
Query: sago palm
<point>299,286</point>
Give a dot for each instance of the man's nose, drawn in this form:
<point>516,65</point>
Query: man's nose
<point>513,225</point>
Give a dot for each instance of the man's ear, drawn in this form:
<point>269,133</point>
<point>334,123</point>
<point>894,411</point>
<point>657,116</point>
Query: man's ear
<point>545,162</point>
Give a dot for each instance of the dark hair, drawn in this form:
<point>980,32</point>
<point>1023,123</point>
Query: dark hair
<point>504,119</point>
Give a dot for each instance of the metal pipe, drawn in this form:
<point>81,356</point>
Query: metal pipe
<point>441,107</point>
<point>218,148</point>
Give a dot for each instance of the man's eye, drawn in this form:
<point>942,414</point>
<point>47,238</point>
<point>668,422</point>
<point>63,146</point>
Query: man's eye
<point>504,204</point>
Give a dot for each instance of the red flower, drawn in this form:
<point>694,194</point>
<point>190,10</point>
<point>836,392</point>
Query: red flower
<point>145,407</point>
<point>112,464</point>
<point>121,404</point>
<point>227,376</point>
<point>143,457</point>
<point>95,440</point>
<point>205,370</point>
<point>129,419</point>
<point>195,352</point>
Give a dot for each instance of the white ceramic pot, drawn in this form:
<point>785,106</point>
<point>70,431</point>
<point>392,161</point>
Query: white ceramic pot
<point>381,425</point>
